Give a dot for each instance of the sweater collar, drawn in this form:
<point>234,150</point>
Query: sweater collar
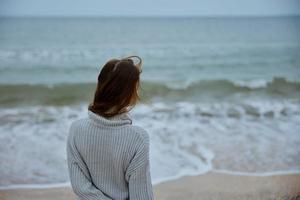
<point>117,120</point>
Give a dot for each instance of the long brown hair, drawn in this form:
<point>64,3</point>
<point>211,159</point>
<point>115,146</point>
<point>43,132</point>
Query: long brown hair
<point>117,88</point>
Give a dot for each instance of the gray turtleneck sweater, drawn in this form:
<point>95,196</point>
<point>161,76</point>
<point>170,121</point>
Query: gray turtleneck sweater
<point>108,158</point>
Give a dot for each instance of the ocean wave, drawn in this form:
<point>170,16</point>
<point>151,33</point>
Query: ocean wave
<point>51,55</point>
<point>70,93</point>
<point>186,139</point>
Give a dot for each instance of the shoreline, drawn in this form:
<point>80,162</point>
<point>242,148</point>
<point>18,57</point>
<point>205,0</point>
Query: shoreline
<point>161,181</point>
<point>212,185</point>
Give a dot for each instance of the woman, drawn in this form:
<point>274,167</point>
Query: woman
<point>108,157</point>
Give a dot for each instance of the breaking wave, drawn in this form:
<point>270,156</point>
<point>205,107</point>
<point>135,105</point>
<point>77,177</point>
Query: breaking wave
<point>70,93</point>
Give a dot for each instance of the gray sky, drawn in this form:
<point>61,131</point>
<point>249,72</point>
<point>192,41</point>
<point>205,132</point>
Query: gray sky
<point>148,7</point>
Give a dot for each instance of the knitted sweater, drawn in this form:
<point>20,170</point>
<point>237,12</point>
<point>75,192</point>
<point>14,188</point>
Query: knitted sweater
<point>108,158</point>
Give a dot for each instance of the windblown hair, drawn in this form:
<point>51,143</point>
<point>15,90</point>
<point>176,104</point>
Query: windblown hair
<point>117,88</point>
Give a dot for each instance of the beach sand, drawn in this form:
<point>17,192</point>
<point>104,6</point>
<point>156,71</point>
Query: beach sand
<point>210,186</point>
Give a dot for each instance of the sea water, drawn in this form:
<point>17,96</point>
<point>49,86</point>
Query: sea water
<point>218,94</point>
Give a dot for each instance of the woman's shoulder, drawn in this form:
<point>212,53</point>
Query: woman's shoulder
<point>78,123</point>
<point>140,133</point>
<point>76,126</point>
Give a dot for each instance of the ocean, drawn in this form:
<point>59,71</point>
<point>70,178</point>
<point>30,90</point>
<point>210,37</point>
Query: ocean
<point>218,94</point>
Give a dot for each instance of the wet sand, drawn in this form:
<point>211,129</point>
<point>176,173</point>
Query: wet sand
<point>210,186</point>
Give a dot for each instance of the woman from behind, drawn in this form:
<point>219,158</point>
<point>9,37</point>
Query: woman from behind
<point>108,156</point>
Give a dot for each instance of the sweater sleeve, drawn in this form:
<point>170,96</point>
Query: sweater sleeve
<point>79,175</point>
<point>138,173</point>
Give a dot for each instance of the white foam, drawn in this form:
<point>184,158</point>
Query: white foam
<point>252,84</point>
<point>186,139</point>
<point>262,174</point>
<point>36,186</point>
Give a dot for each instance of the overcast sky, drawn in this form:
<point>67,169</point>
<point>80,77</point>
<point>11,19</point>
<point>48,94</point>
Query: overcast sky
<point>148,7</point>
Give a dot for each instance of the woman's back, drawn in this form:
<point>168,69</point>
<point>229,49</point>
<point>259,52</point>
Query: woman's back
<point>108,158</point>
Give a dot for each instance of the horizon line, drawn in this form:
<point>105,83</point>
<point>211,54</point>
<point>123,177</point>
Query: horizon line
<point>148,16</point>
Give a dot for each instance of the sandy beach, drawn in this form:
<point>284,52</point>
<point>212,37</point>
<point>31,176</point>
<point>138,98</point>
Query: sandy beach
<point>210,186</point>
